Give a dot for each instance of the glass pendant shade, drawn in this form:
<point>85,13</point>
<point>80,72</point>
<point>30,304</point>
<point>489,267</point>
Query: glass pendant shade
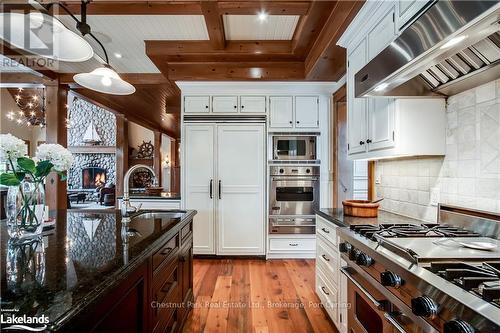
<point>43,35</point>
<point>105,80</point>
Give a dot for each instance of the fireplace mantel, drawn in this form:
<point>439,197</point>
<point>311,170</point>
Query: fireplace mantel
<point>92,149</point>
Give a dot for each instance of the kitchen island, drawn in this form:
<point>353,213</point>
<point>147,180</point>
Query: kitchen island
<point>92,273</point>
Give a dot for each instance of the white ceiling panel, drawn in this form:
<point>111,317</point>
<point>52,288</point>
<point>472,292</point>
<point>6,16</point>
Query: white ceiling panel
<point>125,34</point>
<point>249,27</point>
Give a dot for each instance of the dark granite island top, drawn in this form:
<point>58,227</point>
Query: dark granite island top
<point>336,216</point>
<point>78,262</point>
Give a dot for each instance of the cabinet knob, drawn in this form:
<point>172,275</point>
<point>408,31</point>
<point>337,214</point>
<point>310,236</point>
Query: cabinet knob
<point>242,106</point>
<point>368,141</point>
<point>206,106</point>
<point>361,143</point>
<point>298,122</point>
<point>235,106</point>
<point>290,121</point>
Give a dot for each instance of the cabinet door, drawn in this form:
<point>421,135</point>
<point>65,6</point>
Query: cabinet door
<point>240,173</point>
<point>343,300</point>
<point>253,104</point>
<point>196,104</point>
<point>356,107</point>
<point>381,122</point>
<point>225,104</point>
<point>281,112</point>
<point>381,35</point>
<point>200,184</point>
<point>307,111</point>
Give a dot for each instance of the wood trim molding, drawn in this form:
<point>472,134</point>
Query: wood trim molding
<point>372,191</point>
<point>270,7</point>
<point>339,95</point>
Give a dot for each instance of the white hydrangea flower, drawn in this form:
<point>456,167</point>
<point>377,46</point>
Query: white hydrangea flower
<point>60,157</point>
<point>12,147</point>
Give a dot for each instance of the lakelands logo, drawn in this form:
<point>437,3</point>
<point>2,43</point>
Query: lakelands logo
<point>37,323</point>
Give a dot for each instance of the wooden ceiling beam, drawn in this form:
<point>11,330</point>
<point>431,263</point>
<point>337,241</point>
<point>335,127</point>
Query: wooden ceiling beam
<point>310,25</point>
<point>97,7</point>
<point>340,17</point>
<point>21,78</point>
<point>233,47</point>
<point>267,71</point>
<point>269,7</point>
<point>215,26</point>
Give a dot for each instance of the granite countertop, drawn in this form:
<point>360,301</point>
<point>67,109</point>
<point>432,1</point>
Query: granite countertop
<point>336,215</point>
<point>77,262</point>
<point>161,196</point>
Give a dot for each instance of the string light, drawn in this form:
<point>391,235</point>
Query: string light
<point>32,107</point>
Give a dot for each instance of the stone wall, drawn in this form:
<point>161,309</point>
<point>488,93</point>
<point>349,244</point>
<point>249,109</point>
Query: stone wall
<point>80,113</point>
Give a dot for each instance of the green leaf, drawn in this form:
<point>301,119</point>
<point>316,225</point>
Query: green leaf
<point>43,168</point>
<point>9,179</point>
<point>62,176</point>
<point>20,175</point>
<point>26,164</point>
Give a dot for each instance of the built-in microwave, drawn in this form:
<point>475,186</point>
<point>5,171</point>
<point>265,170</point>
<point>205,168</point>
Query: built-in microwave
<point>294,147</point>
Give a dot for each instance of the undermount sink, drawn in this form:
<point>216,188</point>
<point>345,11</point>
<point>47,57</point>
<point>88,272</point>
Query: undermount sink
<point>166,214</point>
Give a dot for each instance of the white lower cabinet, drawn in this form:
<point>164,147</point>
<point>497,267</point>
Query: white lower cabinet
<point>291,246</point>
<point>330,287</point>
<point>224,182</point>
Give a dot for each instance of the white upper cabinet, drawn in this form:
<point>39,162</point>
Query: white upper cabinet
<point>409,9</point>
<point>281,111</point>
<point>381,123</point>
<point>307,111</point>
<point>381,35</point>
<point>253,104</point>
<point>225,104</point>
<point>356,107</point>
<point>197,104</point>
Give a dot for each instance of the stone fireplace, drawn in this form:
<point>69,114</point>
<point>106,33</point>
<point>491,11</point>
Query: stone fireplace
<point>94,165</point>
<point>93,177</point>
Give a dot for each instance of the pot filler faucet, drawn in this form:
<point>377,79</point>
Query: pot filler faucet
<point>126,208</point>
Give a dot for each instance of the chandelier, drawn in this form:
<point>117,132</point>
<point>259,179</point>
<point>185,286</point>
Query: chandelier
<point>31,104</point>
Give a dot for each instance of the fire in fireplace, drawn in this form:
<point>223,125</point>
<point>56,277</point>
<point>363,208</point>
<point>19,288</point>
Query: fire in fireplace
<point>93,177</point>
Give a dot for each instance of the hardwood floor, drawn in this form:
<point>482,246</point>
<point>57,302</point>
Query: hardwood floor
<point>248,295</point>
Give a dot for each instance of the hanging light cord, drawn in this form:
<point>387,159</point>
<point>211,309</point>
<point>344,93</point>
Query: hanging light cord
<point>82,25</point>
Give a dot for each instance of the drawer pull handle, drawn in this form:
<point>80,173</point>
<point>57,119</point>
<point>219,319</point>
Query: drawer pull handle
<point>325,257</point>
<point>166,251</point>
<point>324,291</point>
<point>293,244</point>
<point>325,230</point>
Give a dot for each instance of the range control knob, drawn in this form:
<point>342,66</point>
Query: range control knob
<point>424,306</point>
<point>345,247</point>
<point>282,170</point>
<point>308,170</point>
<point>364,260</point>
<point>389,279</point>
<point>458,326</point>
<point>353,254</point>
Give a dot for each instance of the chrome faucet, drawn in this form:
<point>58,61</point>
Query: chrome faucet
<point>127,208</point>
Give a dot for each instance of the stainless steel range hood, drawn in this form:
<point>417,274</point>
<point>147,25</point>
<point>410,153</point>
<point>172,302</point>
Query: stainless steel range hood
<point>451,47</point>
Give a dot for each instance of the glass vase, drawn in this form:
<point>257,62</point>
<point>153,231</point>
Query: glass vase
<point>25,209</point>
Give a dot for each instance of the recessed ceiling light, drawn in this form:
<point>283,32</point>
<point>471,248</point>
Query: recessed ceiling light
<point>453,41</point>
<point>262,16</point>
<point>118,55</point>
<point>381,87</point>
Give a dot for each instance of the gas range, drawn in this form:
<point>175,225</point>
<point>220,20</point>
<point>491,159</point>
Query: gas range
<point>422,277</point>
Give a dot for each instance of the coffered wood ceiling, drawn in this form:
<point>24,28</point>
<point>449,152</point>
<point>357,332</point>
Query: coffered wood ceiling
<point>210,40</point>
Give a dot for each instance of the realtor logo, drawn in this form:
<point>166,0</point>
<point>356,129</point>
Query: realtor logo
<point>24,323</point>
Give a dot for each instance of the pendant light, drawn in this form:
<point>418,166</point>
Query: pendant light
<point>48,37</point>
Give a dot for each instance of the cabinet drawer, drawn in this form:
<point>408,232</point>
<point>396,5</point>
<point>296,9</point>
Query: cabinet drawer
<point>327,260</point>
<point>292,244</point>
<point>166,292</point>
<point>186,231</point>
<point>253,104</point>
<point>327,230</point>
<point>224,104</point>
<point>166,251</point>
<point>328,296</point>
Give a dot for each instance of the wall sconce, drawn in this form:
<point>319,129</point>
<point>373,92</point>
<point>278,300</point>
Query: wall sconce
<point>166,162</point>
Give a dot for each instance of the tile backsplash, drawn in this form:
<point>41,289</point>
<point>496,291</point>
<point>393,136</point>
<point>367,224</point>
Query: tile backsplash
<point>469,174</point>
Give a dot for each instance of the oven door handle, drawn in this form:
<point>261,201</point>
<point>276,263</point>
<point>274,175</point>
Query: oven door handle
<point>375,302</point>
<point>390,318</point>
<point>295,178</point>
